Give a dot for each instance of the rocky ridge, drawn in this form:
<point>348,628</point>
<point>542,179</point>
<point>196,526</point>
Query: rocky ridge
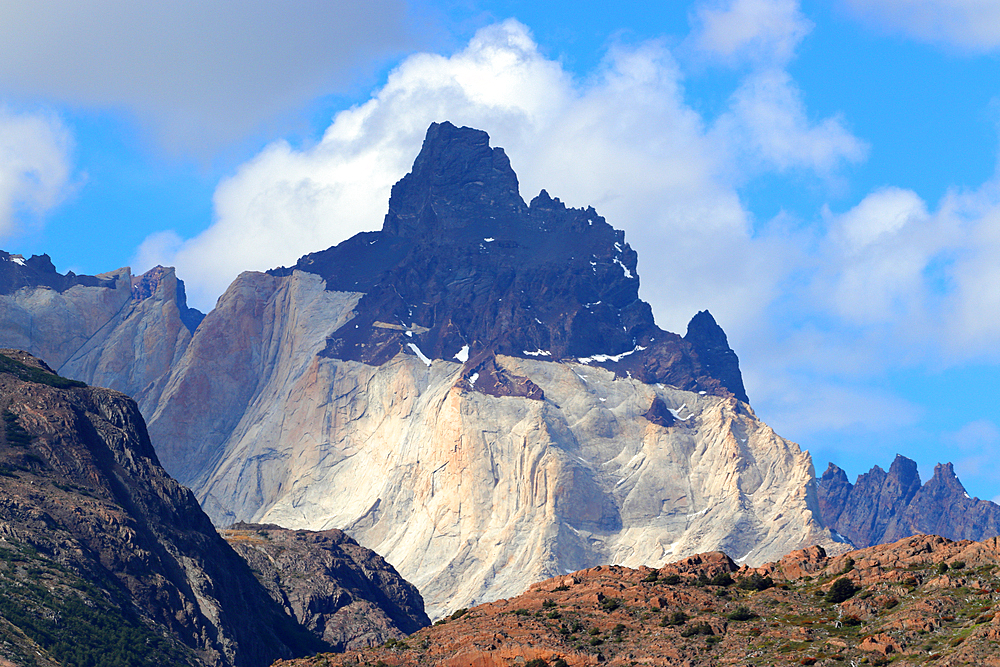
<point>112,330</point>
<point>103,557</point>
<point>921,600</point>
<point>343,593</point>
<point>883,507</point>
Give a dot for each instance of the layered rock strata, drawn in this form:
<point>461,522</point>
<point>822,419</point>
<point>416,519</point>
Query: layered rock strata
<point>476,392</point>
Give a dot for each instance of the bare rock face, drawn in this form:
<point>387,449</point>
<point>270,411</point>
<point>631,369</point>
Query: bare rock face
<point>112,330</point>
<point>103,553</point>
<point>468,494</point>
<point>884,507</point>
<point>345,594</point>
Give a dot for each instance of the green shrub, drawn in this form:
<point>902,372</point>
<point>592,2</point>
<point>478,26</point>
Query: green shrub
<point>841,590</point>
<point>671,579</point>
<point>652,576</point>
<point>610,604</point>
<point>549,603</point>
<point>721,579</point>
<point>741,613</point>
<point>459,614</point>
<point>675,619</point>
<point>942,568</point>
<point>697,629</point>
<point>537,662</point>
<point>958,564</point>
<point>755,582</point>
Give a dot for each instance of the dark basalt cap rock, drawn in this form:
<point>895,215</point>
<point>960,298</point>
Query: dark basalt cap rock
<point>457,180</point>
<point>461,263</point>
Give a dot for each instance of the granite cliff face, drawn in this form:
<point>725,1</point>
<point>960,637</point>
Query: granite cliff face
<point>345,594</point>
<point>883,507</point>
<point>103,553</point>
<point>477,393</point>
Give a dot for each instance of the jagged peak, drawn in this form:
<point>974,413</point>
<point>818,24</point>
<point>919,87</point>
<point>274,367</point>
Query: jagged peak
<point>712,347</point>
<point>456,178</point>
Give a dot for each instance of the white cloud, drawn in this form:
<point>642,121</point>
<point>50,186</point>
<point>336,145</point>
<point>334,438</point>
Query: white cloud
<point>625,142</point>
<point>768,125</point>
<point>763,32</point>
<point>970,25</point>
<point>201,73</point>
<point>35,167</point>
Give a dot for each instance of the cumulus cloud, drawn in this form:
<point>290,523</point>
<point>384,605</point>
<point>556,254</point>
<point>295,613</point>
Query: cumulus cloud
<point>969,25</point>
<point>35,166</point>
<point>624,141</point>
<point>200,73</point>
<point>762,32</point>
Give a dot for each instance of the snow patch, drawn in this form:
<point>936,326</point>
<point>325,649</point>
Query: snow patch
<point>17,259</point>
<point>490,240</point>
<point>610,357</point>
<point>628,274</point>
<point>472,379</point>
<point>463,354</point>
<point>677,413</point>
<point>421,355</point>
<point>409,334</point>
<point>537,353</point>
<point>747,555</point>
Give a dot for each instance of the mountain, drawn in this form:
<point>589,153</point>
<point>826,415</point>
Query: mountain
<point>883,507</point>
<point>475,391</point>
<point>113,330</point>
<point>922,600</point>
<point>104,559</point>
<point>343,593</point>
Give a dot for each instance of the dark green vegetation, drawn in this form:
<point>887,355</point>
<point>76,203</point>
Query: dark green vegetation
<point>36,375</point>
<point>74,622</point>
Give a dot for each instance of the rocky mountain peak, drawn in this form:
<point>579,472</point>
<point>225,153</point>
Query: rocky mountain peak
<point>463,270</point>
<point>16,273</point>
<point>884,506</point>
<point>456,180</point>
<point>718,359</point>
<point>163,279</point>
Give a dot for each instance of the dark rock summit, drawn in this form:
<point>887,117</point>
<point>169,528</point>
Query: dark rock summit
<point>464,268</point>
<point>884,507</point>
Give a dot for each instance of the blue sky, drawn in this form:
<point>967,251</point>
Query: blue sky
<point>821,175</point>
